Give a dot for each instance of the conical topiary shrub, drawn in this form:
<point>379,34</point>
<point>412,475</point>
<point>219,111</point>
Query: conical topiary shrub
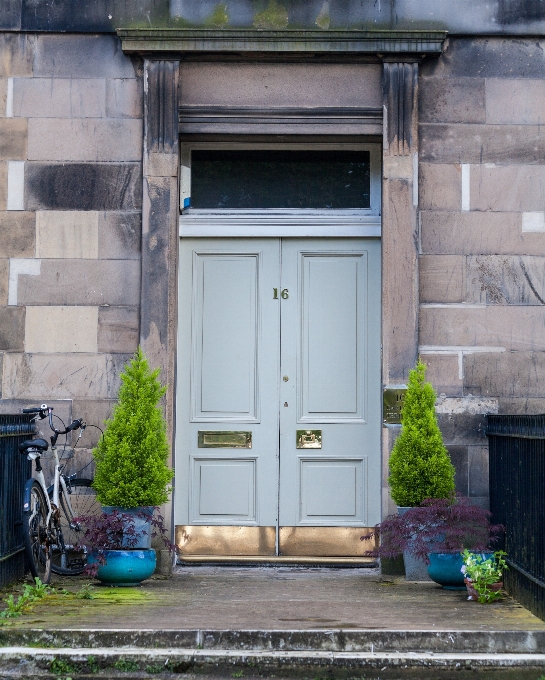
<point>420,466</point>
<point>131,457</point>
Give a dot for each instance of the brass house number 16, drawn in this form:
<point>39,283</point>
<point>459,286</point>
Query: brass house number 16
<point>284,294</point>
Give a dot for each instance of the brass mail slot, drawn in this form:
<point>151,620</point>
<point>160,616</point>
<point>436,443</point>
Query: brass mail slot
<point>224,440</point>
<point>309,439</point>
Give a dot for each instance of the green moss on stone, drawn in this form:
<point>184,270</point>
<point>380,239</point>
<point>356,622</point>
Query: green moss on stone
<point>275,16</point>
<point>219,16</point>
<point>323,20</point>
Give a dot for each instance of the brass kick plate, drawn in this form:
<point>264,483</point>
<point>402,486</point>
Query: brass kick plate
<point>309,439</point>
<point>225,541</point>
<point>326,541</point>
<point>224,440</point>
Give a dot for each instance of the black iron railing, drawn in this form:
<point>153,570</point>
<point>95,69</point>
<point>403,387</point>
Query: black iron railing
<point>517,500</point>
<point>15,469</point>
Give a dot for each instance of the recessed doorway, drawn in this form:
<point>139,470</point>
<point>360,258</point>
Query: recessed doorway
<point>278,392</point>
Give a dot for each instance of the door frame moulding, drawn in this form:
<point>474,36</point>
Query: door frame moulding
<point>280,121</point>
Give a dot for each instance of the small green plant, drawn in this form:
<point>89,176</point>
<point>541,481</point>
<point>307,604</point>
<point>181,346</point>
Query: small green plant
<point>126,665</point>
<point>131,469</point>
<point>92,664</point>
<point>86,592</point>
<point>38,590</point>
<point>237,674</point>
<point>420,466</point>
<point>61,667</point>
<point>155,668</point>
<point>483,573</point>
<point>24,603</point>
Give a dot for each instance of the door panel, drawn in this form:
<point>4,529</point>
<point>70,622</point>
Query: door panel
<point>225,338</point>
<point>227,383</point>
<point>332,347</point>
<point>331,490</point>
<point>330,363</point>
<point>224,490</point>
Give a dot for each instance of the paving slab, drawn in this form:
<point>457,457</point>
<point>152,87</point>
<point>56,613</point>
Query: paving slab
<point>255,598</point>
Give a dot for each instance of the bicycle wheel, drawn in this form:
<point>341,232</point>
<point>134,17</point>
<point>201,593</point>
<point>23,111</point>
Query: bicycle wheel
<point>66,557</point>
<point>37,534</point>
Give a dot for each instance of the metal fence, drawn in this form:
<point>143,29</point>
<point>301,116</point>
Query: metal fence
<point>15,469</point>
<point>517,500</point>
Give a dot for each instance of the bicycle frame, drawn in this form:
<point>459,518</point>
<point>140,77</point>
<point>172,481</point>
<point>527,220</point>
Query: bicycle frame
<point>59,487</point>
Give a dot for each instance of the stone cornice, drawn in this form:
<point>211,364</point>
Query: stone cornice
<point>380,42</point>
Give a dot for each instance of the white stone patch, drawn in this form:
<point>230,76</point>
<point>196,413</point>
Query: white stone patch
<point>469,404</point>
<point>459,351</point>
<point>69,234</point>
<point>415,179</point>
<point>465,187</point>
<point>9,99</point>
<point>533,221</point>
<point>453,305</point>
<point>16,185</point>
<point>20,266</point>
<point>61,329</point>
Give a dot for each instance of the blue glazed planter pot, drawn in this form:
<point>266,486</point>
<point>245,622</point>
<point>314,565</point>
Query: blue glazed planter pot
<point>125,567</point>
<point>446,569</point>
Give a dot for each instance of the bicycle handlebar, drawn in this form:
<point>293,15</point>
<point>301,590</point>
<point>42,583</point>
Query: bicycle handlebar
<point>45,411</point>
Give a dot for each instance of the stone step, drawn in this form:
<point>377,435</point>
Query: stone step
<point>326,641</point>
<point>132,663</point>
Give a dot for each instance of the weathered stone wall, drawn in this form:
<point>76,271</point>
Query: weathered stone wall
<point>70,221</point>
<point>482,240</point>
<point>523,17</point>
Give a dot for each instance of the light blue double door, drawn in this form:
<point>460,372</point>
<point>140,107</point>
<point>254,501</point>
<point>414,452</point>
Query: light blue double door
<point>278,395</point>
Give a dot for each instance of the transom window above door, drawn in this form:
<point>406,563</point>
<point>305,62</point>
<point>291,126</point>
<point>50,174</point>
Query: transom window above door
<point>235,189</point>
<point>268,178</point>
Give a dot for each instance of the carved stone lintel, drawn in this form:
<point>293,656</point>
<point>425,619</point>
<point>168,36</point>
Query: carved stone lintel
<point>161,102</point>
<point>400,90</point>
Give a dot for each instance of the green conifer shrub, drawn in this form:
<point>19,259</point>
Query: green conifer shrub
<point>131,457</point>
<point>420,465</point>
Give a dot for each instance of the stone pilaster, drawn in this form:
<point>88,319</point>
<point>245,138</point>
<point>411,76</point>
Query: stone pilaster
<point>399,232</point>
<point>160,224</point>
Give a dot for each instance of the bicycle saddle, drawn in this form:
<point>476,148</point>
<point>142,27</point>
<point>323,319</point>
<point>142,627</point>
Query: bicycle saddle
<point>39,444</point>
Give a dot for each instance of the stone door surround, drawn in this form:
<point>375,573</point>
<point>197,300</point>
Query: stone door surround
<point>163,50</point>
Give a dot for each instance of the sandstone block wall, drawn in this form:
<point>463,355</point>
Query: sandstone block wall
<point>70,222</point>
<point>482,240</point>
<point>70,229</point>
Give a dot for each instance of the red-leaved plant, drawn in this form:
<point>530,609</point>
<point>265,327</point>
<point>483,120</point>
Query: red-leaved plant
<point>116,531</point>
<point>445,525</point>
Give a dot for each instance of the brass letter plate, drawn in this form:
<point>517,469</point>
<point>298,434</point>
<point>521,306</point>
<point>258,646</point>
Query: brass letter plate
<point>392,403</point>
<point>309,439</point>
<point>224,440</point>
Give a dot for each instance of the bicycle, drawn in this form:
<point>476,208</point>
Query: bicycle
<point>51,534</point>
